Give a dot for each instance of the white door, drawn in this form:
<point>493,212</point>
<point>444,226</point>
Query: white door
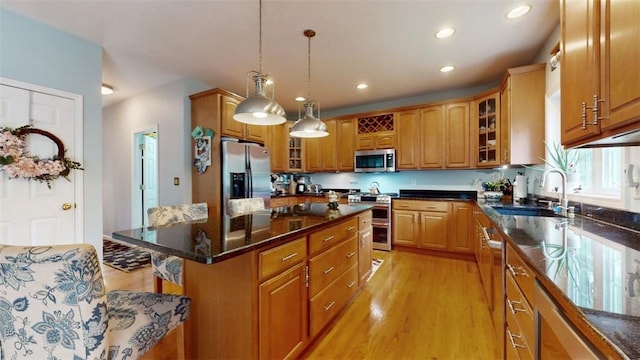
<point>149,173</point>
<point>30,212</point>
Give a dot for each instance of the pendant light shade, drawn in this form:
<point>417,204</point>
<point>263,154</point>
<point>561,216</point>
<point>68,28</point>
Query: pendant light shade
<point>309,126</point>
<point>258,108</point>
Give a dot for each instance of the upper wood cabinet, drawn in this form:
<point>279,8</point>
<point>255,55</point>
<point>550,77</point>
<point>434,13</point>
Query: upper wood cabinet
<point>376,132</point>
<point>230,127</point>
<point>486,126</point>
<point>276,141</point>
<point>408,132</point>
<point>522,116</point>
<point>457,135</point>
<point>600,76</point>
<point>346,144</point>
<point>431,132</point>
<point>293,151</point>
<point>321,153</point>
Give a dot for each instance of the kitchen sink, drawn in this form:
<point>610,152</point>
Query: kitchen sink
<point>524,211</point>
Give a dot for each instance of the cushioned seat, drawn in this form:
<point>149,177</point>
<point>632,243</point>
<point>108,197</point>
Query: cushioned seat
<point>53,305</point>
<point>168,267</point>
<point>239,207</point>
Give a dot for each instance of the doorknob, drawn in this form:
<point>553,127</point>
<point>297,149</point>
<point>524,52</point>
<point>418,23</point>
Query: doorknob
<point>66,206</point>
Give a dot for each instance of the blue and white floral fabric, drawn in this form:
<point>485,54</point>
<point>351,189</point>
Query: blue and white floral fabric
<point>239,207</point>
<point>53,305</point>
<point>168,267</point>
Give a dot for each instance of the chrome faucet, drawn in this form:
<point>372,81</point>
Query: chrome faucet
<point>564,202</point>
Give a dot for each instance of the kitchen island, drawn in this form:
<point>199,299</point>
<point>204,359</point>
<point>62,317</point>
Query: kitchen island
<point>265,285</point>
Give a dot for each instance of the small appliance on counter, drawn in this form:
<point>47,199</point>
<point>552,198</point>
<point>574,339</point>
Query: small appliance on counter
<point>315,188</point>
<point>302,182</point>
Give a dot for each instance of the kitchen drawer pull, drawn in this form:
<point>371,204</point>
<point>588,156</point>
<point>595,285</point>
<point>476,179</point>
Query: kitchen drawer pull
<point>350,228</point>
<point>349,255</point>
<point>289,257</point>
<point>514,309</point>
<point>405,206</point>
<point>514,271</point>
<point>513,342</point>
<point>328,270</point>
<point>329,306</point>
<point>352,284</point>
<point>329,238</point>
<point>431,207</point>
<point>367,234</point>
<point>366,221</point>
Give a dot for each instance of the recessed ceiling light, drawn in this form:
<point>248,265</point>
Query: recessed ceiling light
<point>518,11</point>
<point>447,68</point>
<point>362,86</point>
<point>445,32</point>
<point>106,89</point>
<point>300,98</point>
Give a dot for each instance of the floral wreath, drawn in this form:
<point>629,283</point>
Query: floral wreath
<point>16,161</point>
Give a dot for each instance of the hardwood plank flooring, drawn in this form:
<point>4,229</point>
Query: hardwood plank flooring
<point>415,307</point>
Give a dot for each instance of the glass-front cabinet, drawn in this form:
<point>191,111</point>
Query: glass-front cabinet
<point>486,121</point>
<point>294,151</point>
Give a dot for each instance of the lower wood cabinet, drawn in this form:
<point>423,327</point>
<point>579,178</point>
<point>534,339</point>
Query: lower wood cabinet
<point>365,246</point>
<point>433,225</point>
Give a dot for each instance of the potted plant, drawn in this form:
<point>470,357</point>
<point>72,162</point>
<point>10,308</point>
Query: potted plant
<point>494,189</point>
<point>564,160</point>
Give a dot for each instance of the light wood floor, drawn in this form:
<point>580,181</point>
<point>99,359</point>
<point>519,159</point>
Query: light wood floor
<point>415,307</point>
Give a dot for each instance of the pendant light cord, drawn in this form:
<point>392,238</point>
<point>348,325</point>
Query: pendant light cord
<point>260,40</point>
<point>309,34</point>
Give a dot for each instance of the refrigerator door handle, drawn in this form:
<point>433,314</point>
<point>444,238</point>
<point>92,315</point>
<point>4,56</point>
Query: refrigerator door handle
<point>249,173</point>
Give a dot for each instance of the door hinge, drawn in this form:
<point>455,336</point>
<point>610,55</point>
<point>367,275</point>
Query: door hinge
<point>142,187</point>
<point>141,147</point>
<point>306,275</point>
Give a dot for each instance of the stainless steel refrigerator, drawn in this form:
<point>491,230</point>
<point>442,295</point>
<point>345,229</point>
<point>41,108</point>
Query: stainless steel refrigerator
<point>246,172</point>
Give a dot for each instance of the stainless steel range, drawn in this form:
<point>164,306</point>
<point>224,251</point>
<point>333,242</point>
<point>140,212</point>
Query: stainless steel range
<point>381,221</point>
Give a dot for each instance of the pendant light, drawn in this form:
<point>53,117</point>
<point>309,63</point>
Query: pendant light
<point>258,108</point>
<point>309,126</point>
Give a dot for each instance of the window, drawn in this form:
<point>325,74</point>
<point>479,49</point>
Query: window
<point>600,171</point>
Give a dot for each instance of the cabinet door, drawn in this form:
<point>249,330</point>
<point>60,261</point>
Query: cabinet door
<point>486,127</point>
<point>385,140</point>
<point>364,254</point>
<point>433,230</point>
<point>256,133</point>
<point>275,141</point>
<point>579,66</point>
<point>407,130</point>
<point>621,72</point>
<point>405,228</point>
<point>329,147</point>
<point>431,137</point>
<point>313,154</point>
<point>457,136</point>
<point>294,151</point>
<point>230,127</point>
<point>346,144</point>
<point>283,315</point>
<point>461,234</point>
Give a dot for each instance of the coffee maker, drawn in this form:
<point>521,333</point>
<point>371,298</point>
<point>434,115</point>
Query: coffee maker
<point>302,182</point>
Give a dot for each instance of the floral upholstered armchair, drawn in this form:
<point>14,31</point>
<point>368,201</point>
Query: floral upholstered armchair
<point>53,305</point>
<point>167,267</point>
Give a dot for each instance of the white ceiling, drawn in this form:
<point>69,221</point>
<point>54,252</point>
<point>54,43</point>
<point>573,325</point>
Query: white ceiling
<point>389,44</point>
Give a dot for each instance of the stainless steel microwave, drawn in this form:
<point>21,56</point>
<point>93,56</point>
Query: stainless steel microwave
<point>383,160</point>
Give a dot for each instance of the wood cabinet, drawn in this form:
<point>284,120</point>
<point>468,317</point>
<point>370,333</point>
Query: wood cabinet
<point>346,144</point>
<point>421,224</point>
<point>600,76</point>
<point>294,154</point>
<point>365,246</point>
<point>520,287</point>
<point>321,153</point>
<point>408,148</point>
<point>230,127</point>
<point>375,132</point>
<point>276,141</point>
<point>432,128</point>
<point>486,126</point>
<point>522,116</point>
<point>461,227</point>
<point>457,135</point>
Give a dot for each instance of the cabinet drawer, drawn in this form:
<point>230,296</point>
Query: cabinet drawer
<point>521,273</point>
<point>279,202</point>
<point>323,239</point>
<point>364,220</point>
<point>516,347</point>
<point>279,258</point>
<point>438,206</point>
<point>331,300</point>
<point>518,307</point>
<point>328,266</point>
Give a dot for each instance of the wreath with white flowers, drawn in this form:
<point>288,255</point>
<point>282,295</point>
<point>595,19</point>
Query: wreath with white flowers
<point>16,161</point>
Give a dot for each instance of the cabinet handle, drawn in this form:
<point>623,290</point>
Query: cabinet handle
<point>514,271</point>
<point>351,228</point>
<point>328,270</point>
<point>595,109</point>
<point>404,206</point>
<point>327,307</point>
<point>506,155</point>
<point>352,284</point>
<point>366,221</point>
<point>349,255</point>
<point>289,257</point>
<point>583,115</point>
<point>514,309</point>
<point>431,207</point>
<point>513,342</point>
<point>328,238</point>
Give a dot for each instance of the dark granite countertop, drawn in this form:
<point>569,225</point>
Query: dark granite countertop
<point>216,239</point>
<point>595,266</point>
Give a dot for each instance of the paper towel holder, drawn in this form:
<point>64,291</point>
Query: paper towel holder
<point>631,179</point>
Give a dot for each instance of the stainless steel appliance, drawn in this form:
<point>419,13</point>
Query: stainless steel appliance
<point>381,220</point>
<point>383,160</point>
<point>246,172</point>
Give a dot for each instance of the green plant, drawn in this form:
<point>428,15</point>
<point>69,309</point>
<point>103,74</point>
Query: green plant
<point>560,158</point>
